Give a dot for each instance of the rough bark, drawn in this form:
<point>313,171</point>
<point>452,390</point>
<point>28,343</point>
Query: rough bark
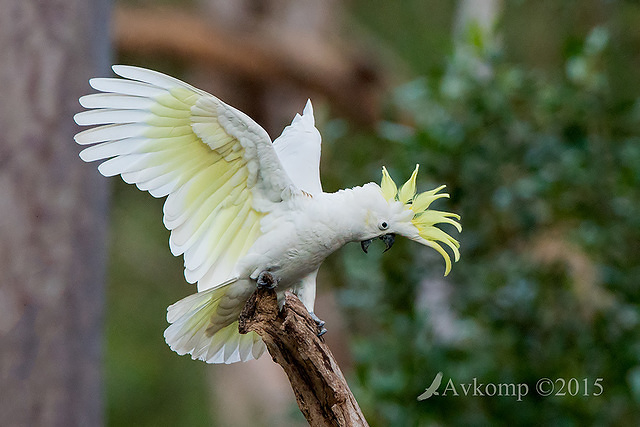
<point>291,338</point>
<point>52,216</point>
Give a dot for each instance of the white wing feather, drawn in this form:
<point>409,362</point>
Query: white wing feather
<point>216,165</point>
<point>298,149</point>
<point>222,176</point>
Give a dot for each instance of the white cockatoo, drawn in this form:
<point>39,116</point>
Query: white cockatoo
<point>239,207</point>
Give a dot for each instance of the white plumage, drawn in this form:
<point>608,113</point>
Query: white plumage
<point>237,204</point>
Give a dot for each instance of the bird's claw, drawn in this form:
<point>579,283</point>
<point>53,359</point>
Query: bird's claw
<point>320,323</point>
<point>266,280</point>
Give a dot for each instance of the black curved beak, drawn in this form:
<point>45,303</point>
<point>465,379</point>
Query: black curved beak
<point>388,240</point>
<point>365,245</point>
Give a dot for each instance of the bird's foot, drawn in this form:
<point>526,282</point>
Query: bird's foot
<point>266,280</point>
<point>321,329</point>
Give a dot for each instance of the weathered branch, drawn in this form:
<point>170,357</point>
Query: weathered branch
<point>350,81</point>
<point>291,338</point>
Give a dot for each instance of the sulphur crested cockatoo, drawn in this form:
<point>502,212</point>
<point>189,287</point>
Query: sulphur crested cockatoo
<point>239,207</point>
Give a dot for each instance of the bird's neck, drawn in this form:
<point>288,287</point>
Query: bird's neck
<point>344,214</point>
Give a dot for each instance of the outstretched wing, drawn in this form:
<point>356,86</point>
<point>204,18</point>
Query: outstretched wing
<point>216,165</point>
<point>298,149</point>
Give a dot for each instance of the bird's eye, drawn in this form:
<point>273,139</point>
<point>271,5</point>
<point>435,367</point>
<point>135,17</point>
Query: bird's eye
<point>383,225</point>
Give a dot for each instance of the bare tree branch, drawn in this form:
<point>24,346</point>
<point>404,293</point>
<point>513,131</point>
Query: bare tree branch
<point>350,81</point>
<point>291,338</point>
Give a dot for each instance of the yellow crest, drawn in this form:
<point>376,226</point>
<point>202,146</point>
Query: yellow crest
<point>424,219</point>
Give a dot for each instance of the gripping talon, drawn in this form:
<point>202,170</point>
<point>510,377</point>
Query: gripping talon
<point>266,280</point>
<point>321,329</point>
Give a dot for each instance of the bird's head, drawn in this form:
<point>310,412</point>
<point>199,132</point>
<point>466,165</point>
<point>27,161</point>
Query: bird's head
<point>405,212</point>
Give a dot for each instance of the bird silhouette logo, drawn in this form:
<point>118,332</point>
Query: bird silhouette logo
<point>432,389</point>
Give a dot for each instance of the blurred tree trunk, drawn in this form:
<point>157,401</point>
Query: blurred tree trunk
<point>52,216</point>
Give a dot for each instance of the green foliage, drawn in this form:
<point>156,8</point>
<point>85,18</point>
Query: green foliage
<point>544,169</point>
<point>415,30</point>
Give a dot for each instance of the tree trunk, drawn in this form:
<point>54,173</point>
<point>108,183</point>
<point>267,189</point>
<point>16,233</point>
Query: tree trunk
<point>52,216</point>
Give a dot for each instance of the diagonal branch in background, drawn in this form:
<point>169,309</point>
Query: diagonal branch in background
<point>291,338</point>
<point>351,82</point>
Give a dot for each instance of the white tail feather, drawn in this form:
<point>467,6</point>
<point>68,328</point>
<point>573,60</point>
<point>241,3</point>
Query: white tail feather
<point>191,319</point>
